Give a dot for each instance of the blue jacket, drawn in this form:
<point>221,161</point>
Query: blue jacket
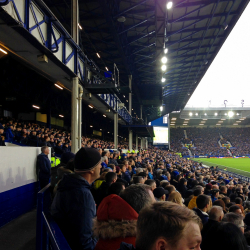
<point>43,167</point>
<point>73,209</point>
<point>126,176</point>
<point>150,176</point>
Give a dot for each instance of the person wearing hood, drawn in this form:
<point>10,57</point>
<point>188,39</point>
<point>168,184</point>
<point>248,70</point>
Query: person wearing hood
<point>43,167</point>
<point>73,207</point>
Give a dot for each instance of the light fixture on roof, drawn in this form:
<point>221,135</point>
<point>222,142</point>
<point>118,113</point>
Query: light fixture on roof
<point>215,114</point>
<point>190,114</point>
<point>230,114</point>
<point>5,52</point>
<point>164,59</point>
<point>80,27</point>
<point>100,129</point>
<point>91,106</point>
<point>121,19</point>
<point>205,114</point>
<point>223,119</point>
<point>235,124</point>
<point>98,55</point>
<point>107,68</point>
<point>161,108</point>
<point>174,118</point>
<point>163,79</point>
<point>188,93</point>
<point>204,119</point>
<point>225,113</point>
<point>104,115</point>
<point>165,50</point>
<point>169,5</point>
<point>185,124</point>
<point>58,86</point>
<point>242,119</point>
<point>218,124</point>
<point>163,67</point>
<point>124,96</point>
<point>224,26</point>
<point>126,100</point>
<point>35,106</point>
<point>201,124</point>
<point>237,114</point>
<point>196,114</point>
<point>108,132</point>
<point>91,126</point>
<point>61,116</point>
<point>187,119</point>
<point>220,121</point>
<point>238,121</point>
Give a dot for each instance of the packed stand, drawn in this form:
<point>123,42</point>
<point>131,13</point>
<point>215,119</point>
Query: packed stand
<point>177,141</point>
<point>104,199</point>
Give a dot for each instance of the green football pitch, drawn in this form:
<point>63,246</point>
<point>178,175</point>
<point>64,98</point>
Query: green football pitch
<point>236,165</point>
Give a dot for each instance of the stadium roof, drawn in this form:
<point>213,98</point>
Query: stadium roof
<point>132,34</point>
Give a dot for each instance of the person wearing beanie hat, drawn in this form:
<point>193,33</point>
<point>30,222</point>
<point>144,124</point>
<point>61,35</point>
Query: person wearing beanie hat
<point>73,207</point>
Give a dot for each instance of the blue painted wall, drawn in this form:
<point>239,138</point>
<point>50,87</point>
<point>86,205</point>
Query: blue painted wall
<point>159,122</point>
<point>17,201</point>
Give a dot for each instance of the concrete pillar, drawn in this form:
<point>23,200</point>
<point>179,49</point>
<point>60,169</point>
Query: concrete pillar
<point>116,130</point>
<point>80,117</point>
<point>130,140</point>
<point>74,115</point>
<point>130,94</point>
<point>75,20</point>
<point>136,142</point>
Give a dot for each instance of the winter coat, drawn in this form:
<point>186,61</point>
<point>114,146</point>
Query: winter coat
<point>192,203</point>
<point>203,216</point>
<point>43,167</point>
<point>73,209</point>
<point>115,223</point>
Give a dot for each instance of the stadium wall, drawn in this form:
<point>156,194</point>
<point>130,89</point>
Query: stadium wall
<point>18,181</point>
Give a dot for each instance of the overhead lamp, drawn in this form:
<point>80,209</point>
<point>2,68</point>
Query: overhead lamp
<point>204,119</point>
<point>201,124</point>
<point>230,114</point>
<point>174,118</point>
<point>224,26</point>
<point>196,114</point>
<point>104,116</point>
<point>107,68</point>
<point>238,121</point>
<point>218,124</point>
<point>242,119</point>
<point>165,50</point>
<point>100,129</point>
<point>205,114</point>
<point>163,67</point>
<point>225,113</point>
<point>91,126</point>
<point>188,93</point>
<point>61,116</point>
<point>124,96</point>
<point>161,108</point>
<point>126,100</point>
<point>187,119</point>
<point>58,86</point>
<point>163,79</point>
<point>220,121</point>
<point>108,132</point>
<point>237,114</point>
<point>5,52</point>
<point>190,114</point>
<point>91,106</point>
<point>235,124</point>
<point>169,5</point>
<point>80,27</point>
<point>164,59</point>
<point>215,114</point>
<point>98,55</point>
<point>223,119</point>
<point>35,106</point>
<point>185,124</point>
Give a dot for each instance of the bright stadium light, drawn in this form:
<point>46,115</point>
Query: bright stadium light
<point>190,114</point>
<point>163,67</point>
<point>161,108</point>
<point>165,51</point>
<point>225,113</point>
<point>205,114</point>
<point>169,5</point>
<point>163,79</point>
<point>230,114</point>
<point>164,59</point>
<point>196,114</point>
<point>215,114</point>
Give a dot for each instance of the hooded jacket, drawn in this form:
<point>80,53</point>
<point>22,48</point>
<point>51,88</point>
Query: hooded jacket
<point>116,223</point>
<point>73,209</point>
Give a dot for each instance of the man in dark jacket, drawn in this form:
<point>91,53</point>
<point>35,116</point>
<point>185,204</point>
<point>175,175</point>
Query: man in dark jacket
<point>203,205</point>
<point>43,167</point>
<point>73,207</point>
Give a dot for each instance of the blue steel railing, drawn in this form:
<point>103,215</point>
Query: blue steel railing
<point>40,22</point>
<point>48,233</point>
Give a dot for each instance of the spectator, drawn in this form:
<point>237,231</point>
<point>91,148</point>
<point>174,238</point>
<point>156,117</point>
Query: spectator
<point>203,203</point>
<point>151,183</point>
<point>236,219</point>
<point>175,197</point>
<point>73,207</point>
<point>192,203</point>
<point>160,194</point>
<point>116,188</point>
<point>235,209</point>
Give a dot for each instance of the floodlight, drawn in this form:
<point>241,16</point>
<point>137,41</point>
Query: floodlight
<point>163,79</point>
<point>58,86</point>
<point>225,113</point>
<point>80,27</point>
<point>165,51</point>
<point>5,52</point>
<point>61,116</point>
<point>91,106</point>
<point>218,124</point>
<point>190,114</point>
<point>201,124</point>
<point>98,55</point>
<point>230,114</point>
<point>215,114</point>
<point>35,106</point>
<point>91,126</point>
<point>169,5</point>
<point>107,68</point>
<point>164,59</point>
<point>237,114</point>
<point>196,114</point>
<point>104,116</point>
<point>163,67</point>
<point>205,114</point>
<point>161,108</point>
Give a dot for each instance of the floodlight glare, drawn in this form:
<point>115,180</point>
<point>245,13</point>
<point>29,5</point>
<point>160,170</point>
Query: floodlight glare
<point>225,113</point>
<point>215,114</point>
<point>163,67</point>
<point>190,114</point>
<point>164,59</point>
<point>205,114</point>
<point>169,5</point>
<point>165,51</point>
<point>161,108</point>
<point>163,79</point>
<point>237,114</point>
<point>196,114</point>
<point>230,114</point>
